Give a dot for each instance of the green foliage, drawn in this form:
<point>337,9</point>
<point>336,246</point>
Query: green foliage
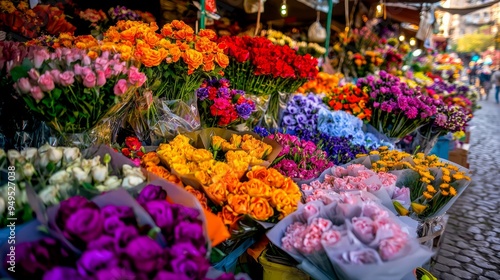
<point>475,43</point>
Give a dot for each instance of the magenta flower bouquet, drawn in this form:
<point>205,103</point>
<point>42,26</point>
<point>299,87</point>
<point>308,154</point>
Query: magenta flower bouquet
<point>221,106</point>
<point>299,159</point>
<point>398,109</point>
<point>117,242</point>
<point>72,91</point>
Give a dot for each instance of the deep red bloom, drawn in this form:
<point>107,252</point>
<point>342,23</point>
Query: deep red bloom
<point>126,152</point>
<point>133,143</point>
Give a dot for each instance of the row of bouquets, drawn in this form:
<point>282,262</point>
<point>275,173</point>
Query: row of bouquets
<point>365,237</point>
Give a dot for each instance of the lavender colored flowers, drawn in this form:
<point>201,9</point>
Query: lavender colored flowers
<point>301,112</point>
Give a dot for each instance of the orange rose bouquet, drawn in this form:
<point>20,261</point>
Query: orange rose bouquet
<point>323,83</point>
<point>351,99</point>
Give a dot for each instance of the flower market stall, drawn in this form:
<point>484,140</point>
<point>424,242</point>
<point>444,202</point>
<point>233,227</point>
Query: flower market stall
<point>165,151</point>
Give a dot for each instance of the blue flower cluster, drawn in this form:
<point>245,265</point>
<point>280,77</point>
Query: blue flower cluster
<point>301,113</point>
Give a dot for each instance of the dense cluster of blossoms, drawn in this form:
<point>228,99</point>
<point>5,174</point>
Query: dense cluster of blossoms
<point>301,112</point>
<point>220,105</point>
<point>351,99</point>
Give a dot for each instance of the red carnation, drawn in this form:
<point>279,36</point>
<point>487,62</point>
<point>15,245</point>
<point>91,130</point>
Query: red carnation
<point>126,152</point>
<point>133,143</point>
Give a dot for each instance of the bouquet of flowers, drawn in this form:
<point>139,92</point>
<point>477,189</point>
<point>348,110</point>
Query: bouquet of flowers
<point>301,113</point>
<point>353,240</point>
<point>397,109</point>
<point>434,184</point>
<point>323,83</point>
<point>261,68</point>
<point>97,19</point>
<point>122,13</point>
<point>300,160</point>
<point>343,124</point>
<point>31,23</point>
<point>70,92</point>
<point>119,239</point>
<point>58,173</point>
<point>351,99</point>
<point>151,161</point>
<point>221,106</point>
<point>132,149</point>
<point>302,48</point>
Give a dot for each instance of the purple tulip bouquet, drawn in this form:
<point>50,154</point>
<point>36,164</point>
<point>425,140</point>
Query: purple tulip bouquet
<point>299,159</point>
<point>118,242</point>
<point>71,91</point>
<point>398,109</point>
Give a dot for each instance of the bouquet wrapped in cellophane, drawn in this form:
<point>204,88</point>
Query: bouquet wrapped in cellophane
<point>352,238</point>
<point>73,91</point>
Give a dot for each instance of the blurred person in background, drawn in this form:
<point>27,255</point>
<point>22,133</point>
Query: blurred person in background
<point>472,72</point>
<point>484,80</point>
<point>495,80</point>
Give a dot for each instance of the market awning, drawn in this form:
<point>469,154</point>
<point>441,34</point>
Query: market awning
<point>467,10</point>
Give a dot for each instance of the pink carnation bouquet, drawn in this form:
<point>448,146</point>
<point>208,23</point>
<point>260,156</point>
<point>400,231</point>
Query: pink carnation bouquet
<point>72,90</point>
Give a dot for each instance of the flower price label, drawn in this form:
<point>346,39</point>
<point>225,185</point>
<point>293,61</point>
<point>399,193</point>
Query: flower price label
<point>11,218</point>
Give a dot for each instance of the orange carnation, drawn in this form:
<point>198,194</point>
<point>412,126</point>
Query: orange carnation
<point>207,33</point>
<point>193,58</point>
<point>151,58</point>
<point>260,209</point>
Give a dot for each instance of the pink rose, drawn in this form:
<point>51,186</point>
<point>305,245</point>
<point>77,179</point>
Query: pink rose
<point>86,70</point>
<point>362,256</point>
<point>312,242</point>
<point>322,224</point>
<point>108,72</point>
<point>339,171</point>
<point>371,187</point>
<point>33,74</point>
<point>89,80</point>
<point>24,85</point>
<point>55,75</point>
<point>390,248</point>
<point>330,238</point>
<point>46,82</point>
<point>402,195</point>
<point>121,87</point>
<point>373,211</point>
<point>135,77</point>
<point>67,78</point>
<point>39,56</point>
<point>86,60</point>
<point>363,229</point>
<point>101,63</point>
<point>78,69</point>
<point>353,169</point>
<point>101,78</point>
<point>37,93</point>
<point>118,68</point>
<point>310,210</point>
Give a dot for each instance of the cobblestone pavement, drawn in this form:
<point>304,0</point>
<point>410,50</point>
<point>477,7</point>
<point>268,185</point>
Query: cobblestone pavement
<point>471,245</point>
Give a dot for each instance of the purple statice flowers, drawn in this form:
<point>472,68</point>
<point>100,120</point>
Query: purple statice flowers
<point>398,109</point>
<point>301,112</point>
<point>451,118</point>
<point>299,159</point>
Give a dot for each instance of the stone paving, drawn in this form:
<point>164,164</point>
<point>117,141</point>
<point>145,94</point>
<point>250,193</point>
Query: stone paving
<point>471,245</point>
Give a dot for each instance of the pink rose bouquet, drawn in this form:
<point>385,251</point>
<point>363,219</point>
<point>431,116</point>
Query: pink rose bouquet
<point>356,240</point>
<point>72,91</point>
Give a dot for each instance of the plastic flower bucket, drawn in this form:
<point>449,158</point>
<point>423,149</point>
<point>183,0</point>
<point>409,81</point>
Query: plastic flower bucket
<point>275,271</point>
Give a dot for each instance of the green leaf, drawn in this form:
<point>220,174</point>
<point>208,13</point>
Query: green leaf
<point>18,72</point>
<point>88,186</point>
<point>27,64</point>
<point>154,232</point>
<point>30,104</point>
<point>50,167</point>
<point>56,93</point>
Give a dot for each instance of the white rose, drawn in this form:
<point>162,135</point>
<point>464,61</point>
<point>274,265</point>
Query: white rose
<point>132,171</point>
<point>49,195</point>
<point>43,161</point>
<point>131,181</point>
<point>81,175</point>
<point>44,148</point>
<point>29,153</point>
<point>21,196</point>
<point>2,206</point>
<point>14,156</point>
<point>112,182</point>
<point>99,173</point>
<point>60,177</point>
<point>55,155</point>
<point>28,170</point>
<point>71,154</point>
<point>87,164</point>
<point>102,188</point>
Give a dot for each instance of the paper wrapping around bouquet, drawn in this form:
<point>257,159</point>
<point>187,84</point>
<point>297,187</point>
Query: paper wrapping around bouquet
<point>202,139</point>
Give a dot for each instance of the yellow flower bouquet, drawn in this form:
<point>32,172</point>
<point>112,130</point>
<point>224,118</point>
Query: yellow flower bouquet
<point>434,184</point>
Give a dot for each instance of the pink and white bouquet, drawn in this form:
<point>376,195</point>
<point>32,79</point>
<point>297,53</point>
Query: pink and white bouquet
<point>363,240</point>
<point>72,90</point>
<point>299,159</point>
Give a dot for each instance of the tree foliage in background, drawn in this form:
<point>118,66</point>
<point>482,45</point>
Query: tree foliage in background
<point>475,42</point>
